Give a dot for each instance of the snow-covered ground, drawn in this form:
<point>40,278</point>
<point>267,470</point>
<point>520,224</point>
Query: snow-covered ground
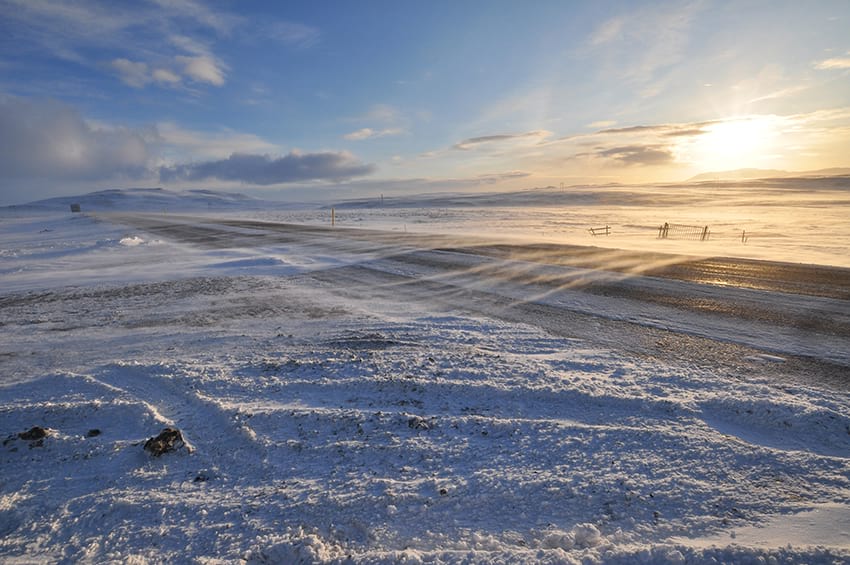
<point>341,406</point>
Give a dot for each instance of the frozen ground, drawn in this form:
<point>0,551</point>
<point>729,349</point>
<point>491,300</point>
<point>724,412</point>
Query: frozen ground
<point>373,399</point>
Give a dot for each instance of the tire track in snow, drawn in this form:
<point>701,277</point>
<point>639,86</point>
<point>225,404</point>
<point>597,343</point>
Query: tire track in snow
<point>220,440</point>
<point>370,282</point>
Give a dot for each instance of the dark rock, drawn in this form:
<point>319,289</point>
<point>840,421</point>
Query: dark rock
<point>33,434</point>
<point>419,423</point>
<point>94,432</point>
<point>168,440</point>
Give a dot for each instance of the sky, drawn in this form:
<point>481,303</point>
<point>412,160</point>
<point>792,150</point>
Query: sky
<point>306,100</point>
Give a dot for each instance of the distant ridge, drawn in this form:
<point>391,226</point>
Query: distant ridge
<point>147,199</point>
<point>740,174</point>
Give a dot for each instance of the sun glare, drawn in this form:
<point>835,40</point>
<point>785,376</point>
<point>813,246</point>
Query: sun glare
<point>734,144</point>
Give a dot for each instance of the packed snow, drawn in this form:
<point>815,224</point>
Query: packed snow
<point>339,405</point>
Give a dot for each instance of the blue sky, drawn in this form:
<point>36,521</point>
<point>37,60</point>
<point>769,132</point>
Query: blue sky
<point>327,99</point>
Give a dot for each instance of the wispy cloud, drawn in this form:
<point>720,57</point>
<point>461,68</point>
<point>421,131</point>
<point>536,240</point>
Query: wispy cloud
<point>266,170</point>
<point>132,73</point>
<point>153,43</point>
<point>667,130</point>
<point>834,63</point>
<point>293,33</point>
<point>651,155</point>
<point>204,69</point>
<point>381,120</point>
<point>784,92</point>
<point>164,76</point>
<point>608,31</point>
<point>638,45</point>
<point>495,178</point>
<point>186,144</point>
<point>220,21</point>
<point>138,74</point>
<point>384,114</point>
<point>473,142</point>
<point>369,133</point>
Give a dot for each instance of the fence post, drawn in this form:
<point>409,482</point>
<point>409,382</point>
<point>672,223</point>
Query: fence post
<point>333,217</point>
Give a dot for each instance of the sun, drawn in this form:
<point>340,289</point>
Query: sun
<point>734,143</point>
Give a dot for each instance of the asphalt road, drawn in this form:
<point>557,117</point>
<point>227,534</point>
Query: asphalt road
<point>806,304</point>
<point>794,278</point>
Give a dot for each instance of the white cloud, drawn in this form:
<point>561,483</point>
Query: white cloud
<point>835,63</point>
<point>178,41</point>
<point>138,74</point>
<point>293,33</point>
<point>608,31</point>
<point>381,113</point>
<point>602,124</point>
<point>222,22</point>
<point>783,93</point>
<point>132,73</point>
<point>639,44</point>
<point>189,45</point>
<point>185,144</point>
<point>164,76</point>
<point>369,133</point>
<point>203,69</point>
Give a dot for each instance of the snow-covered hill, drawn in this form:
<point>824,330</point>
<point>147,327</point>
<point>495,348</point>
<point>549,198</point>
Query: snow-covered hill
<point>151,200</point>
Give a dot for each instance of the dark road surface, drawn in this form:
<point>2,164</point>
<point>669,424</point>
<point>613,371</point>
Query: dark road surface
<point>811,280</point>
<point>802,303</point>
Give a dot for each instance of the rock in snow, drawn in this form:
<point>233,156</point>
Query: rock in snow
<point>33,434</point>
<point>168,440</point>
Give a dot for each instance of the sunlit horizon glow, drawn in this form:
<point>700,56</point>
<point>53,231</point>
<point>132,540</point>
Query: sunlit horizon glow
<point>737,143</point>
<point>317,101</point>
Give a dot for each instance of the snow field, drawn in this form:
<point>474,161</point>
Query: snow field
<point>327,428</point>
<point>453,437</point>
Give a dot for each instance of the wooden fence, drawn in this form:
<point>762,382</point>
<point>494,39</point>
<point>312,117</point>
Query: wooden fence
<point>683,231</point>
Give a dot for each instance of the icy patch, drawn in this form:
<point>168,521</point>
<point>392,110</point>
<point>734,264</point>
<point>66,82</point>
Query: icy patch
<point>825,525</point>
<point>765,358</point>
<point>131,241</point>
<point>249,263</point>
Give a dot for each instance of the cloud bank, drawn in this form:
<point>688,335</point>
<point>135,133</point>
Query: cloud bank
<point>265,170</point>
<point>50,140</point>
<point>48,148</point>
